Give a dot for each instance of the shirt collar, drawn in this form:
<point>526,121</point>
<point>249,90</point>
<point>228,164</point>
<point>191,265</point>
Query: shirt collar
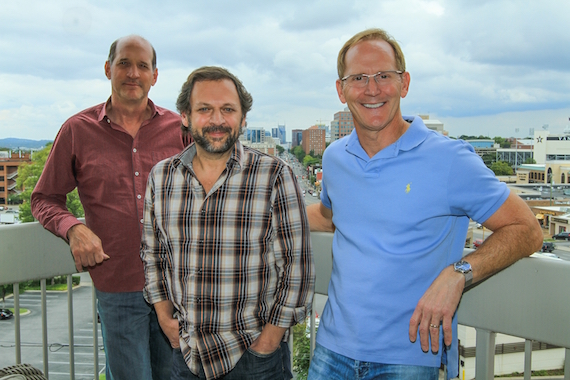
<point>414,136</point>
<point>153,108</point>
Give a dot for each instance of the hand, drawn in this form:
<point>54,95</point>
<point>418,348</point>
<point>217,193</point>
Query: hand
<point>168,322</point>
<point>269,339</point>
<point>85,246</point>
<point>169,327</point>
<point>437,307</point>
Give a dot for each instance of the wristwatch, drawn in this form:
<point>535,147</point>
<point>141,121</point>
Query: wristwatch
<point>464,267</point>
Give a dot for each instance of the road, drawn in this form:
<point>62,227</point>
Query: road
<point>31,334</point>
<point>562,247</point>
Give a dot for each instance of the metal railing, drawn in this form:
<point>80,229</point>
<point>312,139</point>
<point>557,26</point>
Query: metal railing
<point>527,300</point>
<point>29,252</point>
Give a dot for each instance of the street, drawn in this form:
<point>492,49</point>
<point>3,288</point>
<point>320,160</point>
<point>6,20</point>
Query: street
<point>31,334</point>
<point>562,247</point>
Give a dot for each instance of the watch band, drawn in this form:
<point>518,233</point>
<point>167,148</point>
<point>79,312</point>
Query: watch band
<point>464,267</point>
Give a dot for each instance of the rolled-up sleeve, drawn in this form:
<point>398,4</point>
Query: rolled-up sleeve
<point>293,253</point>
<point>153,252</point>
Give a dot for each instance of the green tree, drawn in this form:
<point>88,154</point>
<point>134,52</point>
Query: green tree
<point>310,160</point>
<point>489,159</point>
<point>502,168</point>
<point>529,160</point>
<point>502,142</point>
<point>28,176</point>
<point>299,153</point>
<point>280,149</point>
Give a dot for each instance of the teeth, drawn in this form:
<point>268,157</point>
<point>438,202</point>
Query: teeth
<point>377,105</point>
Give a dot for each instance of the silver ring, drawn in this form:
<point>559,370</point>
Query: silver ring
<point>433,326</point>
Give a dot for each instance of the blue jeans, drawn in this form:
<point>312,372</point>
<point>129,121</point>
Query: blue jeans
<point>135,347</point>
<point>328,365</point>
<point>251,366</point>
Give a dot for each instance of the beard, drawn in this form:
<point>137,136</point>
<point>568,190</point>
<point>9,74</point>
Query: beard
<point>208,146</point>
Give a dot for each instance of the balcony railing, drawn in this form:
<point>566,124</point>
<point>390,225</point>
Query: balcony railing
<point>527,300</point>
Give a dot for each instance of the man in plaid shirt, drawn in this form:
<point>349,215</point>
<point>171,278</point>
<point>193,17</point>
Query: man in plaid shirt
<point>226,244</point>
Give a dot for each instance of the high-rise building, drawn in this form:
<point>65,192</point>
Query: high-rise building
<point>296,137</point>
<point>314,140</point>
<point>282,134</point>
<point>342,125</point>
<point>9,162</point>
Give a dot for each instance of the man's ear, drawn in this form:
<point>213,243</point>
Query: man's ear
<point>339,86</point>
<point>185,119</point>
<point>107,69</point>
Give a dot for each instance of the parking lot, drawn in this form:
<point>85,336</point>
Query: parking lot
<point>31,334</point>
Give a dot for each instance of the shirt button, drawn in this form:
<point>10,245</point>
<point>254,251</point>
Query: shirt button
<point>139,196</point>
<point>134,150</point>
<point>108,121</point>
<point>137,174</point>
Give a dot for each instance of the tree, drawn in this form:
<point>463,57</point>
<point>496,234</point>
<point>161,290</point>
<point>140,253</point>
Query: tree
<point>28,176</point>
<point>503,143</point>
<point>280,149</point>
<point>529,160</point>
<point>299,153</point>
<point>489,159</point>
<point>502,168</point>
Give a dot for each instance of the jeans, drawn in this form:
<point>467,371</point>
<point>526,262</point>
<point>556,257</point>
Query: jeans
<point>328,365</point>
<point>251,366</point>
<point>135,346</point>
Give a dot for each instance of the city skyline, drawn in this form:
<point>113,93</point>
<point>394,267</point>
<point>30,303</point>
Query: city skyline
<point>476,66</point>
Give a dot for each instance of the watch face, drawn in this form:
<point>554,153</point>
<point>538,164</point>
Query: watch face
<point>462,266</point>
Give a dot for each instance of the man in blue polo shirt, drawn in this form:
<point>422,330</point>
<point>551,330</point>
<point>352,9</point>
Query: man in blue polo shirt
<point>399,198</point>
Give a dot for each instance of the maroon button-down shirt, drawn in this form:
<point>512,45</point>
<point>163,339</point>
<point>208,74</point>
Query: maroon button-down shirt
<point>109,168</point>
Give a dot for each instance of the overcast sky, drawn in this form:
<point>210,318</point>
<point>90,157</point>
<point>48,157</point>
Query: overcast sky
<point>481,67</point>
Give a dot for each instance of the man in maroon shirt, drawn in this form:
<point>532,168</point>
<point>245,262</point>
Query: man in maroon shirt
<point>107,151</point>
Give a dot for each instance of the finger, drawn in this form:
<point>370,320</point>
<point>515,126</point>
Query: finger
<point>434,336</point>
<point>414,323</point>
<point>424,334</point>
<point>447,331</point>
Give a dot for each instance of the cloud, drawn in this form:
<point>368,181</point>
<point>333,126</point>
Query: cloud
<point>471,61</point>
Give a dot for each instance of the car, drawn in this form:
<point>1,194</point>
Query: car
<point>12,211</point>
<point>6,314</point>
<point>547,246</point>
<point>477,243</point>
<point>564,235</point>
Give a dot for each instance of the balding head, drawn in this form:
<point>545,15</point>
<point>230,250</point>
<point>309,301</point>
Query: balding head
<point>133,37</point>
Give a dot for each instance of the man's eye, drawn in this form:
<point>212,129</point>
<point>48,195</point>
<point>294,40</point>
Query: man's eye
<point>357,78</point>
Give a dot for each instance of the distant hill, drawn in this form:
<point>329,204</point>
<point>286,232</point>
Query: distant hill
<point>15,143</point>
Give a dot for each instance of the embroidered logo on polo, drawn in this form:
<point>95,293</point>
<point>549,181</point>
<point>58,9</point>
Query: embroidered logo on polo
<point>408,187</point>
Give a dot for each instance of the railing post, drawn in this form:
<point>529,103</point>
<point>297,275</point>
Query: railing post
<point>313,333</point>
<point>45,343</point>
<point>485,355</point>
<point>291,343</point>
<point>527,359</point>
<point>567,365</point>
<point>95,334</point>
<point>18,339</point>
<point>70,327</point>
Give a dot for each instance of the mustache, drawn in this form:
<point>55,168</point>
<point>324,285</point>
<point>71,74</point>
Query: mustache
<point>217,128</point>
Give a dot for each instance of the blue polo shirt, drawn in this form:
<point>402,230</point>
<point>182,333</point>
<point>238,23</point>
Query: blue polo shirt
<point>401,217</point>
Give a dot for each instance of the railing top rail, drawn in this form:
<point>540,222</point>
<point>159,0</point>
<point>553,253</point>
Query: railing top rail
<point>29,252</point>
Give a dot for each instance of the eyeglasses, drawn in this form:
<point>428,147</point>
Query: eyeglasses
<point>383,78</point>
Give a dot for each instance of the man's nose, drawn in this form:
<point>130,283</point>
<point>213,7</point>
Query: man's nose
<point>372,87</point>
<point>217,118</point>
<point>133,72</point>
